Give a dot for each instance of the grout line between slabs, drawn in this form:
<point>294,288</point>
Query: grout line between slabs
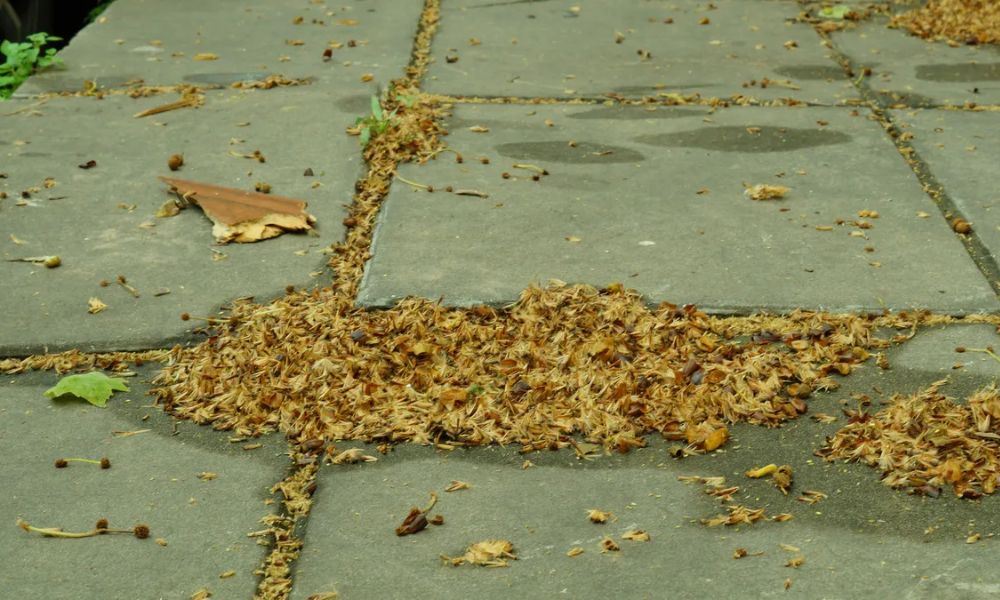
<point>974,246</point>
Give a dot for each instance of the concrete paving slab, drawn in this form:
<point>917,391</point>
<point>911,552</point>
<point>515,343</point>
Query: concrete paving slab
<point>909,71</point>
<point>153,479</point>
<point>863,541</point>
<point>523,49</point>
<point>962,151</point>
<point>98,220</point>
<point>655,199</point>
<point>158,42</point>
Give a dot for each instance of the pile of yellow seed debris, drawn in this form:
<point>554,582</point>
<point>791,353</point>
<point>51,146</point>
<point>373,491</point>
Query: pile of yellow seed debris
<point>925,441</point>
<point>561,361</point>
<point>957,21</point>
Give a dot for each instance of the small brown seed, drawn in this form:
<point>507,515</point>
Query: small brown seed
<point>175,161</point>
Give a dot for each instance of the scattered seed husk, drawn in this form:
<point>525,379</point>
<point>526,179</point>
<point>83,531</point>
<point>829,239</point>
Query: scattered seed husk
<point>487,553</point>
<point>456,485</point>
<point>738,514</point>
<point>636,535</point>
<point>764,191</point>
<point>352,456</point>
<point>599,516</point>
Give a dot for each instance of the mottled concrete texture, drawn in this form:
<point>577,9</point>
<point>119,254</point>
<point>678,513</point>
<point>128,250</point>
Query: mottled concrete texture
<point>489,48</point>
<point>101,221</point>
<point>153,479</point>
<point>654,197</point>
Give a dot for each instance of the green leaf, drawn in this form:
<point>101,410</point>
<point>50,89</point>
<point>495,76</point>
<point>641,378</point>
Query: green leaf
<point>94,387</point>
<point>376,108</point>
<point>366,134</point>
<point>835,12</point>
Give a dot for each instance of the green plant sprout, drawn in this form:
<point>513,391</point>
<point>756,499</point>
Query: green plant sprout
<point>374,124</point>
<point>23,59</point>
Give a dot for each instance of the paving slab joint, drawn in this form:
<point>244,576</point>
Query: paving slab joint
<point>877,103</point>
<point>286,529</point>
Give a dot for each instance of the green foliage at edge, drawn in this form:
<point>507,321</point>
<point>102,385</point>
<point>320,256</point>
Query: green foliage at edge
<point>21,59</point>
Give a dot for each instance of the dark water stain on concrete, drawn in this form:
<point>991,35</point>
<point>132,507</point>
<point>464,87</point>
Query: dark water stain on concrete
<point>44,82</point>
<point>584,153</point>
<point>747,139</point>
<point>224,78</point>
<point>908,99</point>
<point>637,113</point>
<point>359,104</point>
<point>959,73</point>
<point>812,72</point>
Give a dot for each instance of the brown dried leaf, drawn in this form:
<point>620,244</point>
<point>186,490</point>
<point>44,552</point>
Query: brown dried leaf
<point>415,521</point>
<point>243,216</point>
<point>636,535</point>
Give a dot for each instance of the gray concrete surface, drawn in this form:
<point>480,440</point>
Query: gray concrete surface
<point>864,541</point>
<point>153,480</point>
<point>523,50</point>
<point>97,220</point>
<point>908,71</point>
<point>961,150</point>
<point>629,192</point>
<point>622,204</point>
<point>157,42</point>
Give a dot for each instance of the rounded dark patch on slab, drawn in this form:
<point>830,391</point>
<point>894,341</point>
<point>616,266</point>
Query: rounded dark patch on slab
<point>812,72</point>
<point>960,73</point>
<point>359,104</point>
<point>747,139</point>
<point>636,113</point>
<point>224,78</point>
<point>562,152</point>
